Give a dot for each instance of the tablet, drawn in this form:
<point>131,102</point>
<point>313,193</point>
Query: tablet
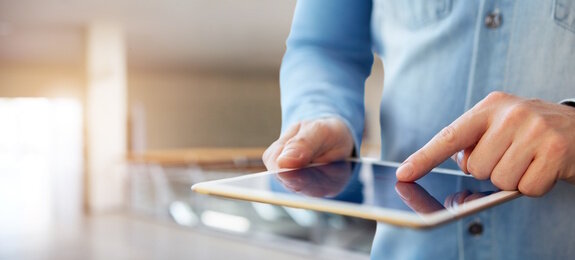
<point>366,189</point>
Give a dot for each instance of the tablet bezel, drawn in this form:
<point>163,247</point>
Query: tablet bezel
<point>387,215</point>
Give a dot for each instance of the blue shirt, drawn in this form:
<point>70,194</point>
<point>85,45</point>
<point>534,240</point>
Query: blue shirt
<point>441,57</point>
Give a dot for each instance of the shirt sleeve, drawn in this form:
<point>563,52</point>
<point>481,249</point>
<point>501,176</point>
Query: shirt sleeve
<point>327,61</point>
<point>568,102</point>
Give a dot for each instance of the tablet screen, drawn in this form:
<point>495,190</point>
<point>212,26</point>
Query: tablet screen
<point>372,184</point>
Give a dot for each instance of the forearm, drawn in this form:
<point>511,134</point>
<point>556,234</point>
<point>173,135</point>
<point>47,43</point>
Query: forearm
<point>327,60</point>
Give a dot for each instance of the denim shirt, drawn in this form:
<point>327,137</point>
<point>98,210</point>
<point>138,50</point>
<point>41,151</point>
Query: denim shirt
<point>441,57</point>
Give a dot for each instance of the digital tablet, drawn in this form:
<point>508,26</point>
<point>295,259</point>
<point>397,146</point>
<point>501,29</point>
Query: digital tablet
<point>366,189</point>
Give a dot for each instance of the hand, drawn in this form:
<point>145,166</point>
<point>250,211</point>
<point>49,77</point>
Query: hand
<point>519,144</point>
<point>323,181</point>
<point>319,141</point>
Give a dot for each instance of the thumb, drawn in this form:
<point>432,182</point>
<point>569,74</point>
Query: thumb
<point>299,150</point>
<point>320,140</point>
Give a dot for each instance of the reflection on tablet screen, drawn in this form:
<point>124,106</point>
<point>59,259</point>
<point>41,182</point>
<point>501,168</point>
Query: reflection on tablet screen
<point>377,185</point>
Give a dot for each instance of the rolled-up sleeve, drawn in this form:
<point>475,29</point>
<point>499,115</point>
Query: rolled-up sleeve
<point>327,60</point>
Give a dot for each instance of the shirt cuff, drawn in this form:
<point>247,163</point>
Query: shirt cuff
<point>569,102</point>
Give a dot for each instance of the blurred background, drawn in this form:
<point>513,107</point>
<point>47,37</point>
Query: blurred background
<point>111,110</point>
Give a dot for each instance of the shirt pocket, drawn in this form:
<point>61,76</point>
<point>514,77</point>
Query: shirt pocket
<point>564,14</point>
<point>415,14</point>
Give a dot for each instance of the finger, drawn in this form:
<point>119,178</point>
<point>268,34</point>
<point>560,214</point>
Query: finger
<point>462,133</point>
<point>461,158</point>
<point>323,140</point>
<point>337,146</point>
<point>271,154</point>
<point>303,147</point>
<point>488,151</point>
<point>539,177</point>
<point>512,166</point>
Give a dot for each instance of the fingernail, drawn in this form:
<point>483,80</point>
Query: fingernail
<point>460,155</point>
<point>459,160</point>
<point>405,170</point>
<point>290,153</point>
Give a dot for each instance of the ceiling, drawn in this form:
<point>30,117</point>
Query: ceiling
<point>202,34</point>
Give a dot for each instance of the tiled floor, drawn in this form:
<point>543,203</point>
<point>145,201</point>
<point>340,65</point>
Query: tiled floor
<point>125,236</point>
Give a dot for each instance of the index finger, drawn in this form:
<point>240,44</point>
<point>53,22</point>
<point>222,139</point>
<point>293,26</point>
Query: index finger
<point>462,133</point>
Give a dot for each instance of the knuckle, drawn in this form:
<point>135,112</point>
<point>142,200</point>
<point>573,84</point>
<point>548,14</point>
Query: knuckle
<point>524,188</point>
<point>533,102</point>
<point>537,127</point>
<point>557,146</point>
<point>298,141</point>
<point>496,96</point>
<point>448,134</point>
<point>501,182</point>
<point>512,117</point>
<point>473,167</point>
<point>519,111</point>
<point>422,159</point>
<point>540,122</point>
<point>529,189</point>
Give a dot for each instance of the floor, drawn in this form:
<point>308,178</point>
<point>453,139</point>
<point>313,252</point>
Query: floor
<point>126,236</point>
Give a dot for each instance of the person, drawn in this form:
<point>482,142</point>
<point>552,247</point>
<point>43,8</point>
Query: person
<point>479,81</point>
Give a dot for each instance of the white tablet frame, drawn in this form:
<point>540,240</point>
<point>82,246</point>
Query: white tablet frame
<point>387,215</point>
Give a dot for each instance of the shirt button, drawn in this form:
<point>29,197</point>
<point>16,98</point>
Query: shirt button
<point>475,228</point>
<point>493,20</point>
